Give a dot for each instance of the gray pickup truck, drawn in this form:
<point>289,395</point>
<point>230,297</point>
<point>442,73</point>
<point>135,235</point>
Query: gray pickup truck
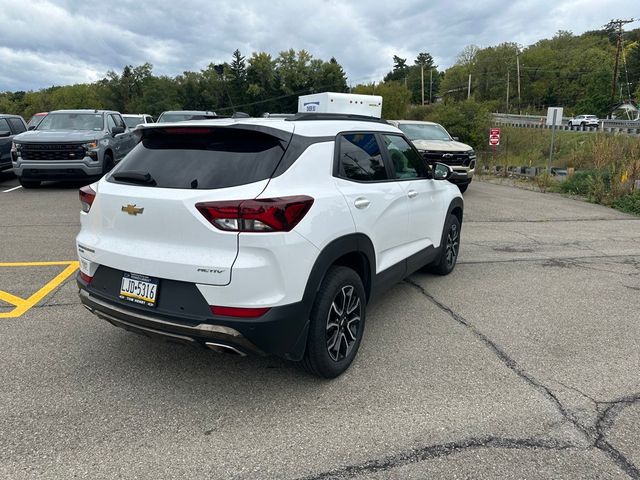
<point>71,145</point>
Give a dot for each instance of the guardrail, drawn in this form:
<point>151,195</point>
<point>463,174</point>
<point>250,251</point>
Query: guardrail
<point>629,127</point>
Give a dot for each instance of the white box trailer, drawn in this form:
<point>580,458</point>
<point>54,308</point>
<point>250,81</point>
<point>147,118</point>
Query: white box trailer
<point>346,103</point>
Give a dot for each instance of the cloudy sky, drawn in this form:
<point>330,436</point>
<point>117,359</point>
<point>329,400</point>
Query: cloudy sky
<point>59,42</point>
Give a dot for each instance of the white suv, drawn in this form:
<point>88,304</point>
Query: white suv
<point>265,236</point>
<point>584,121</point>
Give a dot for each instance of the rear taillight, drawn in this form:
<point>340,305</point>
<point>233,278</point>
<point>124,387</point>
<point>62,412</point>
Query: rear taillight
<point>238,311</point>
<point>87,196</point>
<point>85,278</point>
<point>262,215</point>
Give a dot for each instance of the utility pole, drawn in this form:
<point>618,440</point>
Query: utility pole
<point>430,83</point>
<point>507,89</point>
<point>616,26</point>
<point>469,88</point>
<point>518,67</point>
<point>422,80</point>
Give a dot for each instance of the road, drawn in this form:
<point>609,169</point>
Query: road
<point>523,363</point>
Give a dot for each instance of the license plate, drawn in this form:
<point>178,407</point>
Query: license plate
<point>139,289</point>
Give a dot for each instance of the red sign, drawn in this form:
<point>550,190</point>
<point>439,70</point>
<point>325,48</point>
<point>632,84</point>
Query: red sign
<point>494,136</point>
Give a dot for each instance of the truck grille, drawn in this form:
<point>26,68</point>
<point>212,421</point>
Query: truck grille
<point>449,158</point>
<point>52,151</point>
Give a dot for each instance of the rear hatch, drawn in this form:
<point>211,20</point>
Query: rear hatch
<point>144,218</point>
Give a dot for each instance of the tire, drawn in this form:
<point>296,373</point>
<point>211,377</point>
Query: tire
<point>107,164</point>
<point>337,323</point>
<point>582,125</point>
<point>463,187</point>
<point>449,249</point>
<point>29,183</point>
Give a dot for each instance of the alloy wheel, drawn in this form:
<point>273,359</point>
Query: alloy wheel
<point>453,245</point>
<point>343,322</point>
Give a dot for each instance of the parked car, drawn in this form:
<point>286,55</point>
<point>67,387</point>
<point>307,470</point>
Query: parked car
<point>281,231</point>
<point>71,145</point>
<point>184,115</point>
<point>436,145</point>
<point>584,121</point>
<point>10,125</point>
<point>133,120</point>
<point>35,119</point>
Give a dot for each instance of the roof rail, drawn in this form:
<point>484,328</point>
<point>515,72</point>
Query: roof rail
<point>334,116</point>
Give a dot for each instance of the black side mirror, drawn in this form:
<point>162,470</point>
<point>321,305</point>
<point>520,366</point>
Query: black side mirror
<point>4,133</point>
<point>441,171</point>
<point>31,127</point>
<point>117,131</point>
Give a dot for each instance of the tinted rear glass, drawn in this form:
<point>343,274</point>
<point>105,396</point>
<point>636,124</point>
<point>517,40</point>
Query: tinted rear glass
<point>202,158</point>
<point>132,122</point>
<point>182,117</point>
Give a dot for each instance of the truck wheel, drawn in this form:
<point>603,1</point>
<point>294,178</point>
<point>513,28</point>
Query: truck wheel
<point>463,187</point>
<point>449,248</point>
<point>107,164</point>
<point>29,183</point>
<point>337,323</point>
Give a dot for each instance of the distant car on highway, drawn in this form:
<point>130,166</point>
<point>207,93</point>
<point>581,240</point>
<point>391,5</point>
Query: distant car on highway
<point>436,145</point>
<point>134,119</point>
<point>185,115</point>
<point>584,121</point>
<point>35,120</point>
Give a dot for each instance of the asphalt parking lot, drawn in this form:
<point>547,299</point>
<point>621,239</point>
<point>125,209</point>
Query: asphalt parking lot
<point>523,363</point>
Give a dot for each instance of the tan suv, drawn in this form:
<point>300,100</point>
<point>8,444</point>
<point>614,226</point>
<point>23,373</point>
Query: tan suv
<point>436,145</point>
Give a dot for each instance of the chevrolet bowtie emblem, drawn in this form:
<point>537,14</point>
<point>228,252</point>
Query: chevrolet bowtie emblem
<point>132,210</point>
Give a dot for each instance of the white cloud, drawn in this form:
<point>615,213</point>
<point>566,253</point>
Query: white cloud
<point>48,42</point>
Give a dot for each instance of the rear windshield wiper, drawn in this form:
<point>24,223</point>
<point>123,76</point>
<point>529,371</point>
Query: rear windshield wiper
<point>133,176</point>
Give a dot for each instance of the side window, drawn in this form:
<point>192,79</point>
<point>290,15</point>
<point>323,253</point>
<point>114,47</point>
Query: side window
<point>406,162</point>
<point>110,122</point>
<point>360,158</point>
<point>118,121</point>
<point>4,126</point>
<point>16,125</point>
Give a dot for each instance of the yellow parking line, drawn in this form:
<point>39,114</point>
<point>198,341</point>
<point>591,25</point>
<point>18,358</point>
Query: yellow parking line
<point>23,305</point>
<point>12,299</point>
<point>34,264</point>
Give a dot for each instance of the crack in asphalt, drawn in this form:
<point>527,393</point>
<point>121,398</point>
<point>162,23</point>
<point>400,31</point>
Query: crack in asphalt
<point>442,450</point>
<point>547,259</point>
<point>595,435</point>
<point>556,220</point>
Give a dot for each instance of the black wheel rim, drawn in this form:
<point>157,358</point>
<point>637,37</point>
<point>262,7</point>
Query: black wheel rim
<point>453,244</point>
<point>343,323</point>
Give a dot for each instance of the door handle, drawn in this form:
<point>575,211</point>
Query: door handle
<point>412,194</point>
<point>361,203</point>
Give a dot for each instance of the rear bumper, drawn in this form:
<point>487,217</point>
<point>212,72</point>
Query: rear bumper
<point>282,331</point>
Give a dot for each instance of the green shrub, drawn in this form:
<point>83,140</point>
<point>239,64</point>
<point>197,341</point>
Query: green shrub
<point>629,203</point>
<point>585,182</point>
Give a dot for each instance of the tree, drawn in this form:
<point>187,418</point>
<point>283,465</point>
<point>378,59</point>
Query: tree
<point>395,97</point>
<point>238,79</point>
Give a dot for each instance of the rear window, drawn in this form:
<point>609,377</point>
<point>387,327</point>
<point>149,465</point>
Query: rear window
<point>133,122</point>
<point>200,158</point>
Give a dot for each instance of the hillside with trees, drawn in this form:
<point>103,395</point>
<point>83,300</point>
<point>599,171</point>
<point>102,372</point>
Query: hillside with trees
<point>573,71</point>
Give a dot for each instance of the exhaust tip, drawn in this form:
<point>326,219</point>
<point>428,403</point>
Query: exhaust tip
<point>221,348</point>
